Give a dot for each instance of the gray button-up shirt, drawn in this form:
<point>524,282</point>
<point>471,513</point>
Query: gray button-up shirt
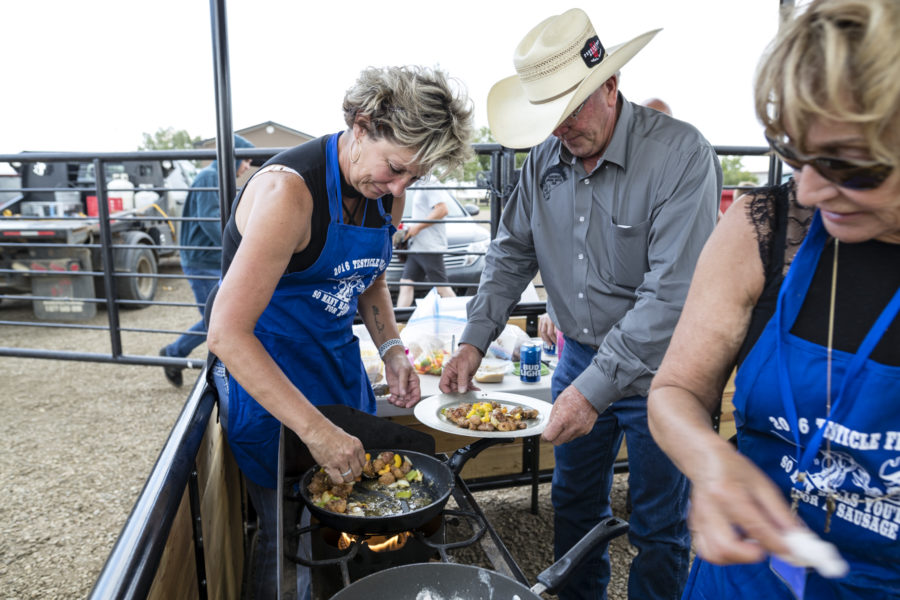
<point>616,247</point>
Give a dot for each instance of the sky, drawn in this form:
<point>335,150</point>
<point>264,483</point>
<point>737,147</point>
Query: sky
<point>94,75</point>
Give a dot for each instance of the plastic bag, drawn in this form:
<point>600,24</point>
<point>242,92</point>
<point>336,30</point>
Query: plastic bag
<point>429,355</point>
<point>432,330</point>
<point>506,346</point>
<point>369,353</point>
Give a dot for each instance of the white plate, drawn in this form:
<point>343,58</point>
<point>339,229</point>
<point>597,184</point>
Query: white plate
<point>428,412</point>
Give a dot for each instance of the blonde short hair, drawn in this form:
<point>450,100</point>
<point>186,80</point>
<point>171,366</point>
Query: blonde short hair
<point>414,107</point>
<point>838,60</point>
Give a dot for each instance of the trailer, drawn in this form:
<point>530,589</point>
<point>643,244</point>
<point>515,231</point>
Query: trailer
<point>51,235</point>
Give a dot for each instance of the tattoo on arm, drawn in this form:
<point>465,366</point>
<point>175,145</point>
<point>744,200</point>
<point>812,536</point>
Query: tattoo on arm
<point>378,325</point>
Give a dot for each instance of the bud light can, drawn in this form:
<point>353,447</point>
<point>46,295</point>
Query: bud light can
<point>530,362</point>
<point>548,349</point>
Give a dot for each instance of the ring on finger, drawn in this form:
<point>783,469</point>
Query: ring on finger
<point>347,472</point>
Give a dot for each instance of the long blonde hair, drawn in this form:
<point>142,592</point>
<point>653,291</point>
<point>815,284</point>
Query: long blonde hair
<point>838,60</point>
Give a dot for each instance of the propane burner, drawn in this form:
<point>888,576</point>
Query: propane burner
<point>375,543</point>
<point>339,558</point>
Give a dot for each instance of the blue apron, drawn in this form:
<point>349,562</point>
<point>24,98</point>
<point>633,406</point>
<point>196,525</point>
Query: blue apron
<point>307,330</point>
<point>782,425</point>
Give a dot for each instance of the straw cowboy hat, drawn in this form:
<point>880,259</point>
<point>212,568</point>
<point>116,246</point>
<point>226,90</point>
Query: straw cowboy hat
<point>558,64</point>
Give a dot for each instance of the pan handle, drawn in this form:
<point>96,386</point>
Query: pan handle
<point>552,578</point>
<point>459,458</point>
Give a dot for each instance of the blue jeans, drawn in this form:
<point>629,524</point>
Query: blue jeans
<point>582,480</point>
<point>186,342</point>
<point>264,567</point>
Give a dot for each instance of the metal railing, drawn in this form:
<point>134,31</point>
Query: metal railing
<point>100,244</point>
<point>104,242</point>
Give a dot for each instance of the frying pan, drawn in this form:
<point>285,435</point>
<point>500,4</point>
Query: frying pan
<point>437,475</point>
<point>451,580</point>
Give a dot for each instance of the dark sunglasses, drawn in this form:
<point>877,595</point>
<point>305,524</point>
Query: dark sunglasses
<point>854,175</point>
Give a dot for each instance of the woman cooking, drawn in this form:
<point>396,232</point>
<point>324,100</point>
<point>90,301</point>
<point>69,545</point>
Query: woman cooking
<point>306,247</point>
<point>800,286</point>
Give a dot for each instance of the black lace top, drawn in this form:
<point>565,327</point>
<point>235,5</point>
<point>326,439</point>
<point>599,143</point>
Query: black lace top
<point>868,276</point>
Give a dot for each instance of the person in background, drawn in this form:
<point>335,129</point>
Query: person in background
<point>612,208</point>
<point>305,248</point>
<point>809,314</point>
<point>201,260</point>
<point>428,205</point>
<point>657,104</point>
<point>743,188</point>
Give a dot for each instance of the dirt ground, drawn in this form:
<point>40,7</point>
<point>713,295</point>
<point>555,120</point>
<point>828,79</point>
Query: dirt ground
<point>78,440</point>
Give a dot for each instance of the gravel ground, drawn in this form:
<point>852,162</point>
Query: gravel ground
<point>78,440</point>
<point>529,538</point>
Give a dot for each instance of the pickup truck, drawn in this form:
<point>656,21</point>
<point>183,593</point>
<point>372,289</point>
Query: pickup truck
<point>51,235</point>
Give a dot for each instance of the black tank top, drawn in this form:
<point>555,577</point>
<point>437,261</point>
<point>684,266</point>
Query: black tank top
<point>309,160</point>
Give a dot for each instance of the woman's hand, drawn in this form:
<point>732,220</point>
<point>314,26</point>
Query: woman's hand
<point>401,378</point>
<point>737,514</point>
<point>339,453</point>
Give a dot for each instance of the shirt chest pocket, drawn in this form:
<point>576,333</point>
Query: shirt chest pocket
<point>626,250</point>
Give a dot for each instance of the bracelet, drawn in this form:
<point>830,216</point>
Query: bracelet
<point>382,349</point>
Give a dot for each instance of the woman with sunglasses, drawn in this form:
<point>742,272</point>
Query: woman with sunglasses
<point>799,287</point>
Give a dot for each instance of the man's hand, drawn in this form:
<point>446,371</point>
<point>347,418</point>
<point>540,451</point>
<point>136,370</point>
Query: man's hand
<point>458,372</point>
<point>546,329</point>
<point>572,416</point>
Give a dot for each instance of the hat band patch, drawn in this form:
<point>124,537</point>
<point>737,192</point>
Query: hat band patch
<point>593,52</point>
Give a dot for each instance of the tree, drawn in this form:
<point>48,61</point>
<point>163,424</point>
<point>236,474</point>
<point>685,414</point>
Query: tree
<point>482,162</point>
<point>733,171</point>
<point>479,162</point>
<point>169,139</point>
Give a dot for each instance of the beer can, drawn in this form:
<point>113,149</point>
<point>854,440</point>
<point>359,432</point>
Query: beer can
<point>548,349</point>
<point>530,362</point>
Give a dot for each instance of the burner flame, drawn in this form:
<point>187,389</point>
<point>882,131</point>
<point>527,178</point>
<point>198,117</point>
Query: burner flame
<point>376,543</point>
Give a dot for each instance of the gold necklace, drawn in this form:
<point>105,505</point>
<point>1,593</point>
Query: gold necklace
<point>831,494</point>
<point>830,502</point>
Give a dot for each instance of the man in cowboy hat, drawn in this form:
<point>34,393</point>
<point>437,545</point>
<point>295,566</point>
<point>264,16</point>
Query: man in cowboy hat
<point>613,209</point>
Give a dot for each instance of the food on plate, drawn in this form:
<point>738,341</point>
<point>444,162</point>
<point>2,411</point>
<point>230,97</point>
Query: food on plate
<point>489,416</point>
<point>389,485</point>
<point>430,363</point>
<point>492,371</point>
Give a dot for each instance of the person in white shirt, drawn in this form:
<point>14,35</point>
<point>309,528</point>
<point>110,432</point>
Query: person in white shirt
<point>430,240</point>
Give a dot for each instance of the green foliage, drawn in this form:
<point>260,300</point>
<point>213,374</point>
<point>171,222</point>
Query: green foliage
<point>482,162</point>
<point>733,171</point>
<point>169,139</point>
<point>479,162</point>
